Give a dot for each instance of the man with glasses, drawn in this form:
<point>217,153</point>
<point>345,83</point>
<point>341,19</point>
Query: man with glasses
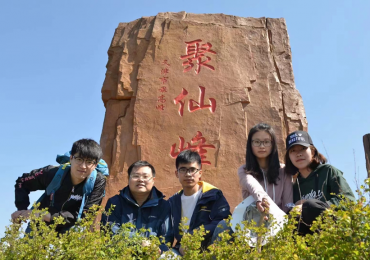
<point>141,204</point>
<point>66,200</point>
<point>198,201</point>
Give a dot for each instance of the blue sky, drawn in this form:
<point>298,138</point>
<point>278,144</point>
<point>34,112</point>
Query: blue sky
<point>52,67</point>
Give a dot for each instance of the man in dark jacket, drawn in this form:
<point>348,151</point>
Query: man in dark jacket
<point>198,201</point>
<point>66,201</point>
<point>141,204</point>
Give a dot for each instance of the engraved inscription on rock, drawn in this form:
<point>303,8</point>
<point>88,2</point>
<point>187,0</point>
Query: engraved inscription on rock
<point>181,81</point>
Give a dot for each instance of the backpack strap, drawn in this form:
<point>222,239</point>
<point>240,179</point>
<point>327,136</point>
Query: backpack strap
<point>54,184</point>
<point>87,189</point>
<point>101,167</point>
<point>57,180</point>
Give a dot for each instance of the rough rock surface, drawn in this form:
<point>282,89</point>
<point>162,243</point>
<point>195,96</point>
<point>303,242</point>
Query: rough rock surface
<point>180,80</point>
<point>366,140</point>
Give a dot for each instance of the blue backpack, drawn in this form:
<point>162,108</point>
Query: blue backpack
<point>54,185</point>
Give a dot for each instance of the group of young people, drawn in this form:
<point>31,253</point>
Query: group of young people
<point>305,184</point>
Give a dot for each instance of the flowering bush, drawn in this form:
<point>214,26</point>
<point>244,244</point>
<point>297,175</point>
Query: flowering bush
<point>83,241</point>
<point>338,234</point>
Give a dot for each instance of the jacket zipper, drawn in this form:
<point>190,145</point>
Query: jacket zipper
<point>73,189</point>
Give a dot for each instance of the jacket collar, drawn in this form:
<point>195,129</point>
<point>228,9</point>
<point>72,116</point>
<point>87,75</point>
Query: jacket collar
<point>154,197</point>
<point>208,194</point>
<point>205,186</point>
<point>312,175</point>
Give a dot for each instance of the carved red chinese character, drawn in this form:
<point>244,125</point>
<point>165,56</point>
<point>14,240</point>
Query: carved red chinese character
<point>161,99</point>
<point>192,104</point>
<point>165,62</point>
<point>196,52</point>
<point>197,143</point>
<point>162,89</point>
<point>178,99</point>
<point>164,80</point>
<point>165,71</point>
<point>160,107</point>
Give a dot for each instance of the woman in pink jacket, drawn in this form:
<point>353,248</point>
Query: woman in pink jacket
<point>262,174</point>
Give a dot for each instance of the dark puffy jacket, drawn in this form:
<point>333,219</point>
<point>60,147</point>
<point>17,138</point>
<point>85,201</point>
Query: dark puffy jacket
<point>211,208</point>
<point>154,214</point>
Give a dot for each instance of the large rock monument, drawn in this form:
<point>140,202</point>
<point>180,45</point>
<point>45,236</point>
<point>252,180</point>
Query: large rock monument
<point>178,80</point>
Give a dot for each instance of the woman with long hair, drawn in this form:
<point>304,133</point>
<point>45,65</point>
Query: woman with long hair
<point>262,175</point>
<point>318,185</point>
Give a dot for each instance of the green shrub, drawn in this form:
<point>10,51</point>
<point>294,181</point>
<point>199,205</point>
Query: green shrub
<point>338,234</point>
<point>83,241</point>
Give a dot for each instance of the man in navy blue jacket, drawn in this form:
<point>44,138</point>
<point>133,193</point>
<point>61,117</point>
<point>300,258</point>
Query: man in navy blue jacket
<point>141,204</point>
<point>198,201</point>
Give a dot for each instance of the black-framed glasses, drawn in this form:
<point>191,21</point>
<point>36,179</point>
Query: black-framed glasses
<point>191,170</point>
<point>258,143</point>
<point>88,162</point>
<point>141,177</point>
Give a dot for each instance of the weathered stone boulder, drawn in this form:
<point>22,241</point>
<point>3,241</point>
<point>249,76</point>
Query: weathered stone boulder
<point>180,80</point>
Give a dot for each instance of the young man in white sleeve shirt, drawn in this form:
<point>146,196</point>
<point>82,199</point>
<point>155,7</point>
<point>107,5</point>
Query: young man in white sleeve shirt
<point>200,202</point>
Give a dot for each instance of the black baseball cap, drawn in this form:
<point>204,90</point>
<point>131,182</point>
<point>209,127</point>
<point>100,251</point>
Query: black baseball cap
<point>298,137</point>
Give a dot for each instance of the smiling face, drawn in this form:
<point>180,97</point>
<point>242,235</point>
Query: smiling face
<point>300,156</point>
<point>81,168</point>
<point>188,179</point>
<point>263,139</point>
<point>141,180</point>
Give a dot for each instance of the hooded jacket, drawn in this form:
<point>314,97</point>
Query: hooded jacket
<point>211,208</point>
<point>154,214</point>
<point>325,183</point>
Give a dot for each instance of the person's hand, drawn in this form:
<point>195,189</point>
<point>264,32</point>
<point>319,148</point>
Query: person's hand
<point>182,250</point>
<point>297,208</point>
<point>263,207</point>
<point>17,215</point>
<point>145,243</point>
<point>300,202</point>
<point>47,217</point>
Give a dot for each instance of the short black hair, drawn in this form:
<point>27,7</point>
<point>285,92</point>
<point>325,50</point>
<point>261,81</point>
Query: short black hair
<point>140,164</point>
<point>87,148</point>
<point>188,156</point>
